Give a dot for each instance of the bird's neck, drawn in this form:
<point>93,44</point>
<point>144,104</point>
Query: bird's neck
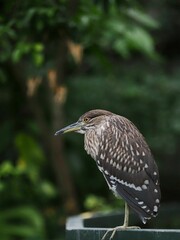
<point>91,143</point>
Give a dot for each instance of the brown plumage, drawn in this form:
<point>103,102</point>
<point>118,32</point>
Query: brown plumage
<point>123,157</point>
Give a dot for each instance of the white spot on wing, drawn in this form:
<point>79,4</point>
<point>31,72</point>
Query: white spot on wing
<point>117,166</point>
<point>146,166</point>
<point>144,187</point>
<point>143,207</point>
<point>106,172</point>
<point>114,155</point>
<point>124,169</point>
<point>102,156</point>
<point>114,164</point>
<point>139,169</point>
<point>146,182</point>
<point>137,153</point>
<point>157,200</point>
<point>138,188</point>
<point>155,209</point>
<point>137,145</point>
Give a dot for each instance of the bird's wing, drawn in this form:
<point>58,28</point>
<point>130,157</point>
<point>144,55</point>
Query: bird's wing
<point>129,168</point>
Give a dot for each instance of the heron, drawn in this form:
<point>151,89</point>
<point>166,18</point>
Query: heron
<point>125,160</point>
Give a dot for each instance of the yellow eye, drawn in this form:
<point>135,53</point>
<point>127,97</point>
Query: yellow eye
<point>86,119</point>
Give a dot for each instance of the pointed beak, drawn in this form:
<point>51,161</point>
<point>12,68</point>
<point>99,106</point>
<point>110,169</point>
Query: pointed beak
<point>71,128</point>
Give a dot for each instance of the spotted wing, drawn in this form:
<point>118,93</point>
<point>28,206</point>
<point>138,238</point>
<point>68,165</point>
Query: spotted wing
<point>128,166</point>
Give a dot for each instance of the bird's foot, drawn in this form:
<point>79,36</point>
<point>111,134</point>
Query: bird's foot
<point>113,230</point>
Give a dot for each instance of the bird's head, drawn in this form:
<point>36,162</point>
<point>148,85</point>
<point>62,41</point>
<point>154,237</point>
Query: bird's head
<point>87,121</point>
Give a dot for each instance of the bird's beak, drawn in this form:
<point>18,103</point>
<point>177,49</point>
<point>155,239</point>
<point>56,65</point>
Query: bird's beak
<point>71,128</point>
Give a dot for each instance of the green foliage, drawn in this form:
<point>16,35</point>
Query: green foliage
<point>21,222</point>
<point>142,18</point>
<point>35,49</point>
<point>124,28</point>
<point>96,203</point>
<point>30,154</point>
<point>28,168</point>
<point>21,186</point>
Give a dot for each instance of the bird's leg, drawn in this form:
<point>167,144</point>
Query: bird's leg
<point>123,227</point>
<point>126,216</point>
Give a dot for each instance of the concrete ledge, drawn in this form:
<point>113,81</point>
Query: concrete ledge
<point>94,226</point>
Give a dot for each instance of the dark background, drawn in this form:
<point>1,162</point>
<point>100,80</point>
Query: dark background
<point>59,59</point>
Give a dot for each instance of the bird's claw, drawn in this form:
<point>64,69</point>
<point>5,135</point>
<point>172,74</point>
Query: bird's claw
<point>113,230</point>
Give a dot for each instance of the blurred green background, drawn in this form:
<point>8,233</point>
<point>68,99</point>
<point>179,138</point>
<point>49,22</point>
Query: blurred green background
<point>59,59</point>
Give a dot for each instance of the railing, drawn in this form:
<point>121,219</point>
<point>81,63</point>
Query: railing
<point>94,226</point>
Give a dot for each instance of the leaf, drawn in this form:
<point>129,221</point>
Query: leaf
<point>21,48</point>
<point>48,189</point>
<point>6,168</point>
<point>38,59</point>
<point>120,45</point>
<point>22,221</point>
<point>142,18</point>
<point>31,155</point>
<point>139,39</point>
<point>29,149</point>
<point>38,47</point>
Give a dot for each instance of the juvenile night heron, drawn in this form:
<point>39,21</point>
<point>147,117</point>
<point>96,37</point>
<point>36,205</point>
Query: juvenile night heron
<point>124,158</point>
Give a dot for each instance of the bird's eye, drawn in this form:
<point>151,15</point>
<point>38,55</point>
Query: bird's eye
<point>86,119</point>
